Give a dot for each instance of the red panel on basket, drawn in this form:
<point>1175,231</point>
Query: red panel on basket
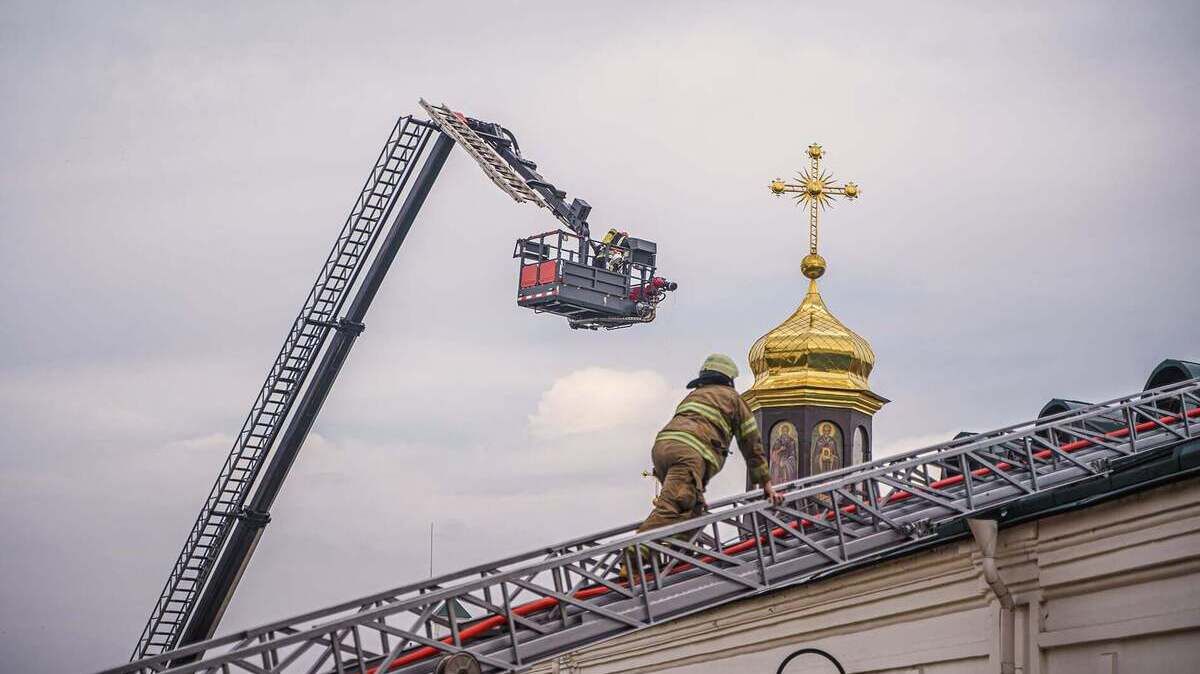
<point>529,275</point>
<point>537,274</point>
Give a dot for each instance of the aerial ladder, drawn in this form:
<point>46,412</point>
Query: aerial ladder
<point>605,284</point>
<point>530,607</point>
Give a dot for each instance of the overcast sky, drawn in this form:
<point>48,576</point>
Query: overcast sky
<point>172,175</point>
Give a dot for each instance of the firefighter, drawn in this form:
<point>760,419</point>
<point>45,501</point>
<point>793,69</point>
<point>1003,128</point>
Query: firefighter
<point>611,252</point>
<point>692,447</point>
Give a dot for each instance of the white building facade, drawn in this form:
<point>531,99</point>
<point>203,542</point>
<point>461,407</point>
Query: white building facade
<point>1113,587</point>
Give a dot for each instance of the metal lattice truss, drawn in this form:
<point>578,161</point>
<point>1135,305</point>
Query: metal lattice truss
<point>494,166</point>
<point>283,383</point>
<point>534,606</point>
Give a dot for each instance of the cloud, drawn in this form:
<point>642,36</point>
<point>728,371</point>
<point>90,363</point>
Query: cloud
<point>203,443</point>
<point>597,399</point>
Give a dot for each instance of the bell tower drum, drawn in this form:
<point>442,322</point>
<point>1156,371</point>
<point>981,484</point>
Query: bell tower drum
<point>810,395</point>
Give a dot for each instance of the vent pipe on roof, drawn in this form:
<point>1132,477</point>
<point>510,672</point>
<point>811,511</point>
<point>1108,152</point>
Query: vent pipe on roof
<point>986,532</point>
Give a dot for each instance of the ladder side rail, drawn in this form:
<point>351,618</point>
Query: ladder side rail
<point>328,282</point>
<point>279,647</point>
<point>422,605</point>
<point>259,405</point>
<point>236,554</point>
<point>1014,432</point>
<point>417,133</point>
<point>554,199</point>
<point>840,539</point>
<point>731,511</point>
<point>300,348</point>
<point>497,169</point>
<point>393,630</point>
<point>364,603</point>
<point>843,538</point>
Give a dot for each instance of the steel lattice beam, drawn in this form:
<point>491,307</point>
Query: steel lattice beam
<point>304,342</point>
<point>533,606</point>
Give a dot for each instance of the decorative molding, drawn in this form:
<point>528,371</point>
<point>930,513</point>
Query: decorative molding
<point>862,400</point>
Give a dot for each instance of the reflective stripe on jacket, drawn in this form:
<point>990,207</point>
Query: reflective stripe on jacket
<point>708,420</point>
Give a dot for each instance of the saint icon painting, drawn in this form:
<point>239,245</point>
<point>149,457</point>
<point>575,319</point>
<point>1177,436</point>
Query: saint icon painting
<point>784,460</point>
<point>826,452</point>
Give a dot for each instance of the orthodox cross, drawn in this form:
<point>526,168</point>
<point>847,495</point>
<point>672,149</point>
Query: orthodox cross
<point>816,189</point>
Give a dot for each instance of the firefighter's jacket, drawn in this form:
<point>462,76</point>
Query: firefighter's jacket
<point>708,420</point>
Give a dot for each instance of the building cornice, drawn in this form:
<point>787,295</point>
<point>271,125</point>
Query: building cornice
<point>863,400</point>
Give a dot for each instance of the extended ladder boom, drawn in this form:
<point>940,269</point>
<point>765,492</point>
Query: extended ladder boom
<point>496,151</point>
<point>231,520</point>
<point>530,607</point>
<point>318,315</point>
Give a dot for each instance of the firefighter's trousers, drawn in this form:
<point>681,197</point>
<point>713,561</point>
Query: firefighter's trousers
<point>683,474</point>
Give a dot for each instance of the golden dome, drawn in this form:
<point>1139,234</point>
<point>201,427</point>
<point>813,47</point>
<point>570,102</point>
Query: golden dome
<point>812,359</point>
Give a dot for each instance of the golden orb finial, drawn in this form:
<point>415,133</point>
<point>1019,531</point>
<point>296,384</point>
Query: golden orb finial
<point>777,186</point>
<point>851,191</point>
<point>815,151</point>
<point>812,266</point>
